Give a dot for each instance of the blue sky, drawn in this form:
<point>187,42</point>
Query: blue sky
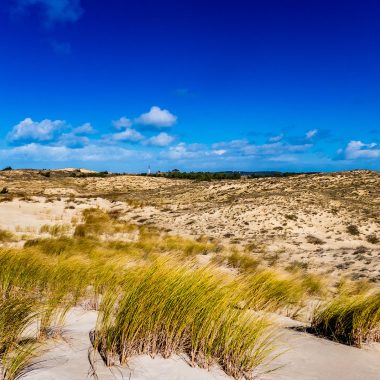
<point>190,84</point>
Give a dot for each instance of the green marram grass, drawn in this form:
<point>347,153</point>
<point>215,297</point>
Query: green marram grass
<point>166,308</point>
<point>153,296</point>
<point>350,319</point>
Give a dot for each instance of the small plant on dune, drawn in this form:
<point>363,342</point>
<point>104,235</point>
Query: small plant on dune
<point>353,230</point>
<point>353,288</point>
<point>242,261</point>
<point>97,222</point>
<point>348,319</point>
<point>6,236</point>
<point>55,230</point>
<point>373,239</point>
<point>313,284</point>
<point>311,239</point>
<point>168,309</point>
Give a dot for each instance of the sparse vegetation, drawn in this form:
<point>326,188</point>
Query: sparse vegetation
<point>353,230</point>
<point>311,239</point>
<point>198,176</point>
<point>6,236</point>
<point>373,239</point>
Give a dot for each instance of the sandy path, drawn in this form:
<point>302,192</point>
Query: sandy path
<point>311,358</point>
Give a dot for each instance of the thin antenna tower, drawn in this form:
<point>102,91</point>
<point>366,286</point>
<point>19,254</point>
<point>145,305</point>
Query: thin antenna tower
<point>149,169</point>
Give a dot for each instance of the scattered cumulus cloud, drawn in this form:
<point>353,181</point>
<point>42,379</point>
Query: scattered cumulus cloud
<point>129,134</point>
<point>57,141</point>
<point>245,148</point>
<point>86,128</point>
<point>219,152</point>
<point>157,117</point>
<point>162,139</point>
<point>185,151</point>
<point>28,129</point>
<point>77,136</point>
<point>357,149</point>
<point>123,122</point>
<point>41,153</point>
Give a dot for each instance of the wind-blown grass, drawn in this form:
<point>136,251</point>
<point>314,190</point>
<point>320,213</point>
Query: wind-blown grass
<point>272,291</point>
<point>7,236</point>
<point>349,319</point>
<point>16,315</point>
<point>166,308</point>
<point>148,301</point>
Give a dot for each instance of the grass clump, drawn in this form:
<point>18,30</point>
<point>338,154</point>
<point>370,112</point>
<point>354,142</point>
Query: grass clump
<point>353,230</point>
<point>55,229</point>
<point>311,239</point>
<point>6,236</point>
<point>17,312</point>
<point>349,319</point>
<point>167,309</point>
<point>373,239</point>
<point>272,291</point>
<point>97,222</point>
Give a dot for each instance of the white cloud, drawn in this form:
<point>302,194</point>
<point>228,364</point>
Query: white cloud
<point>123,122</point>
<point>53,10</point>
<point>276,138</point>
<point>157,117</point>
<point>33,130</point>
<point>274,149</point>
<point>283,158</point>
<point>358,149</point>
<point>243,147</point>
<point>310,134</point>
<point>129,134</point>
<point>83,129</point>
<point>43,153</point>
<point>219,152</point>
<point>185,151</point>
<point>162,139</point>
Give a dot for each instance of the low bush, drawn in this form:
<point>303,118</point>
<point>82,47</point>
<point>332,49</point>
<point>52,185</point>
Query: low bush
<point>353,230</point>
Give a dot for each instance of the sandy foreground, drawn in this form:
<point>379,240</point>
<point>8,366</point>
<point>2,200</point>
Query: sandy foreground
<point>306,358</point>
<point>190,213</point>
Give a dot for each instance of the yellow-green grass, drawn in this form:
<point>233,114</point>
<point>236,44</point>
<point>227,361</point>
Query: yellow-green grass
<point>55,229</point>
<point>147,305</point>
<point>16,315</point>
<point>6,236</point>
<point>350,319</point>
<point>167,308</point>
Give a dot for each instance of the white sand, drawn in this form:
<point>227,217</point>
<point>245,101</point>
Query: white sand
<point>306,358</point>
<point>68,359</point>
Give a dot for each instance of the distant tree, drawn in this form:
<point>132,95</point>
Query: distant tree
<point>7,168</point>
